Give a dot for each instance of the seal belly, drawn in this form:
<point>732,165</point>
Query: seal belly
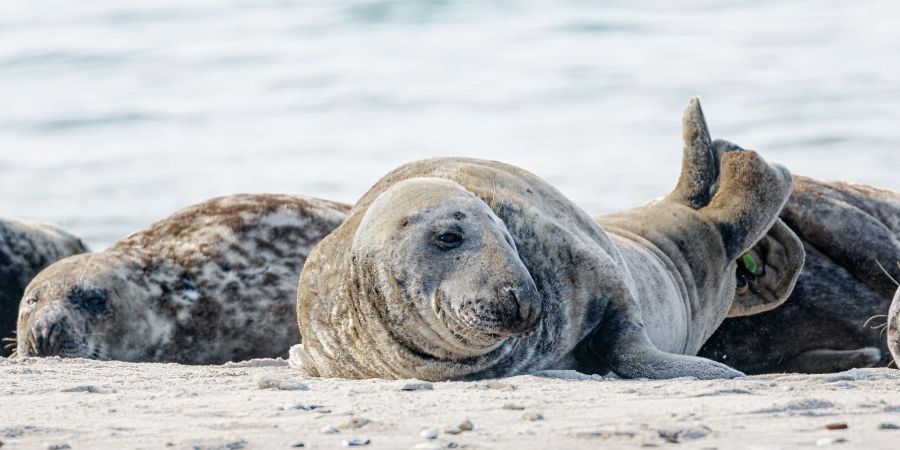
<point>666,321</point>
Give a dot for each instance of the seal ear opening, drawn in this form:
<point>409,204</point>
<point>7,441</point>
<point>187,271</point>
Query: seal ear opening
<point>768,272</point>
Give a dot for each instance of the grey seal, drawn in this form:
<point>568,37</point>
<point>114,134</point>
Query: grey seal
<point>26,248</point>
<point>456,268</point>
<point>851,236</point>
<point>214,282</point>
<point>893,329</point>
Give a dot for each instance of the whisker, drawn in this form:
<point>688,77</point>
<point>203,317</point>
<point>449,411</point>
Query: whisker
<point>873,317</point>
<point>887,273</point>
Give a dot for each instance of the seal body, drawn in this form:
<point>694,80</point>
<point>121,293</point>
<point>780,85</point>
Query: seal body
<point>851,235</point>
<point>26,248</point>
<point>893,328</point>
<point>457,268</point>
<point>214,282</point>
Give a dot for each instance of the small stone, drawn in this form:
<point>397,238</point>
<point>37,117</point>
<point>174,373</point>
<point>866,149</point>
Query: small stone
<point>298,445</point>
<point>356,422</point>
<point>417,385</point>
<point>888,426</point>
<point>328,429</point>
<point>305,407</point>
<point>466,425</point>
<point>494,384</point>
<point>532,416</point>
<point>431,433</point>
<point>513,407</point>
<point>452,430</point>
<point>836,426</point>
<point>59,447</point>
<point>830,441</point>
<point>86,388</point>
<point>280,384</point>
<point>354,442</point>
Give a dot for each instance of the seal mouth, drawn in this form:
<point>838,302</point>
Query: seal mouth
<point>58,338</point>
<point>461,337</point>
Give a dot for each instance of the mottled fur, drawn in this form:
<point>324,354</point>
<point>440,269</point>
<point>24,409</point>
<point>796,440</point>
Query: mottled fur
<point>893,329</point>
<point>849,231</point>
<point>377,299</point>
<point>212,283</point>
<point>26,248</point>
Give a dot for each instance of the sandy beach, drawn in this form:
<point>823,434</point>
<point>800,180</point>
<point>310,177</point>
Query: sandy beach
<point>74,403</point>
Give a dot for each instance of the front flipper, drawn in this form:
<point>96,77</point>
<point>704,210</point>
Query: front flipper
<point>632,355</point>
<point>825,360</point>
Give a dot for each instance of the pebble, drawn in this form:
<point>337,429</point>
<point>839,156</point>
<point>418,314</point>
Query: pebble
<point>888,426</point>
<point>280,384</point>
<point>356,422</point>
<point>836,426</point>
<point>59,447</point>
<point>328,429</point>
<point>354,442</point>
<point>452,430</point>
<point>466,425</point>
<point>305,407</point>
<point>830,441</point>
<point>417,385</point>
<point>512,407</point>
<point>532,416</point>
<point>431,433</point>
<point>298,445</point>
<point>494,384</point>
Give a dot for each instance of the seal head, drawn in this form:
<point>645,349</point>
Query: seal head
<point>68,311</point>
<point>447,262</point>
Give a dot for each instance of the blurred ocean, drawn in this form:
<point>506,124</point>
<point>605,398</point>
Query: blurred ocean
<point>116,113</point>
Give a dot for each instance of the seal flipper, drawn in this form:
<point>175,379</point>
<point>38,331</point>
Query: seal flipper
<point>632,355</point>
<point>750,195</point>
<point>700,161</point>
<point>823,360</point>
<point>780,256</point>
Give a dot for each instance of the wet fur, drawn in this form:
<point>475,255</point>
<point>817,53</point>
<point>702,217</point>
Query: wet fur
<point>214,282</point>
<point>26,248</point>
<point>849,231</point>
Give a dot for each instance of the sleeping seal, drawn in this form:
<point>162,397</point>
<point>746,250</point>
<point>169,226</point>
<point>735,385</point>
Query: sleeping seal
<point>214,282</point>
<point>26,248</point>
<point>457,268</point>
<point>851,234</point>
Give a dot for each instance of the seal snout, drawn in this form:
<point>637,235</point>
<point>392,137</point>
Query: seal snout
<point>45,338</point>
<point>526,302</point>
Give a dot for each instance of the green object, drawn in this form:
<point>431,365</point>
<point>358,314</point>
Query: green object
<point>750,263</point>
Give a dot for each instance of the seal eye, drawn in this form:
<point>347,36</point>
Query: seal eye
<point>31,300</point>
<point>90,301</point>
<point>448,240</point>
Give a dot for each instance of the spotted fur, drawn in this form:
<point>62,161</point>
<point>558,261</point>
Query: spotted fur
<point>214,282</point>
<point>26,248</point>
<point>851,235</point>
<point>637,296</point>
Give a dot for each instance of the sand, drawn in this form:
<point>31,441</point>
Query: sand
<point>265,404</point>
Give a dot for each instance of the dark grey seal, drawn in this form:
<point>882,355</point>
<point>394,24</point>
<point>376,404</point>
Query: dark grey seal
<point>851,235</point>
<point>457,268</point>
<point>26,248</point>
<point>214,282</point>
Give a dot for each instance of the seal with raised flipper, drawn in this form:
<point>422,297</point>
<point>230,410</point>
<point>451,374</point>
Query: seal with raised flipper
<point>26,248</point>
<point>834,318</point>
<point>457,268</point>
<point>214,282</point>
